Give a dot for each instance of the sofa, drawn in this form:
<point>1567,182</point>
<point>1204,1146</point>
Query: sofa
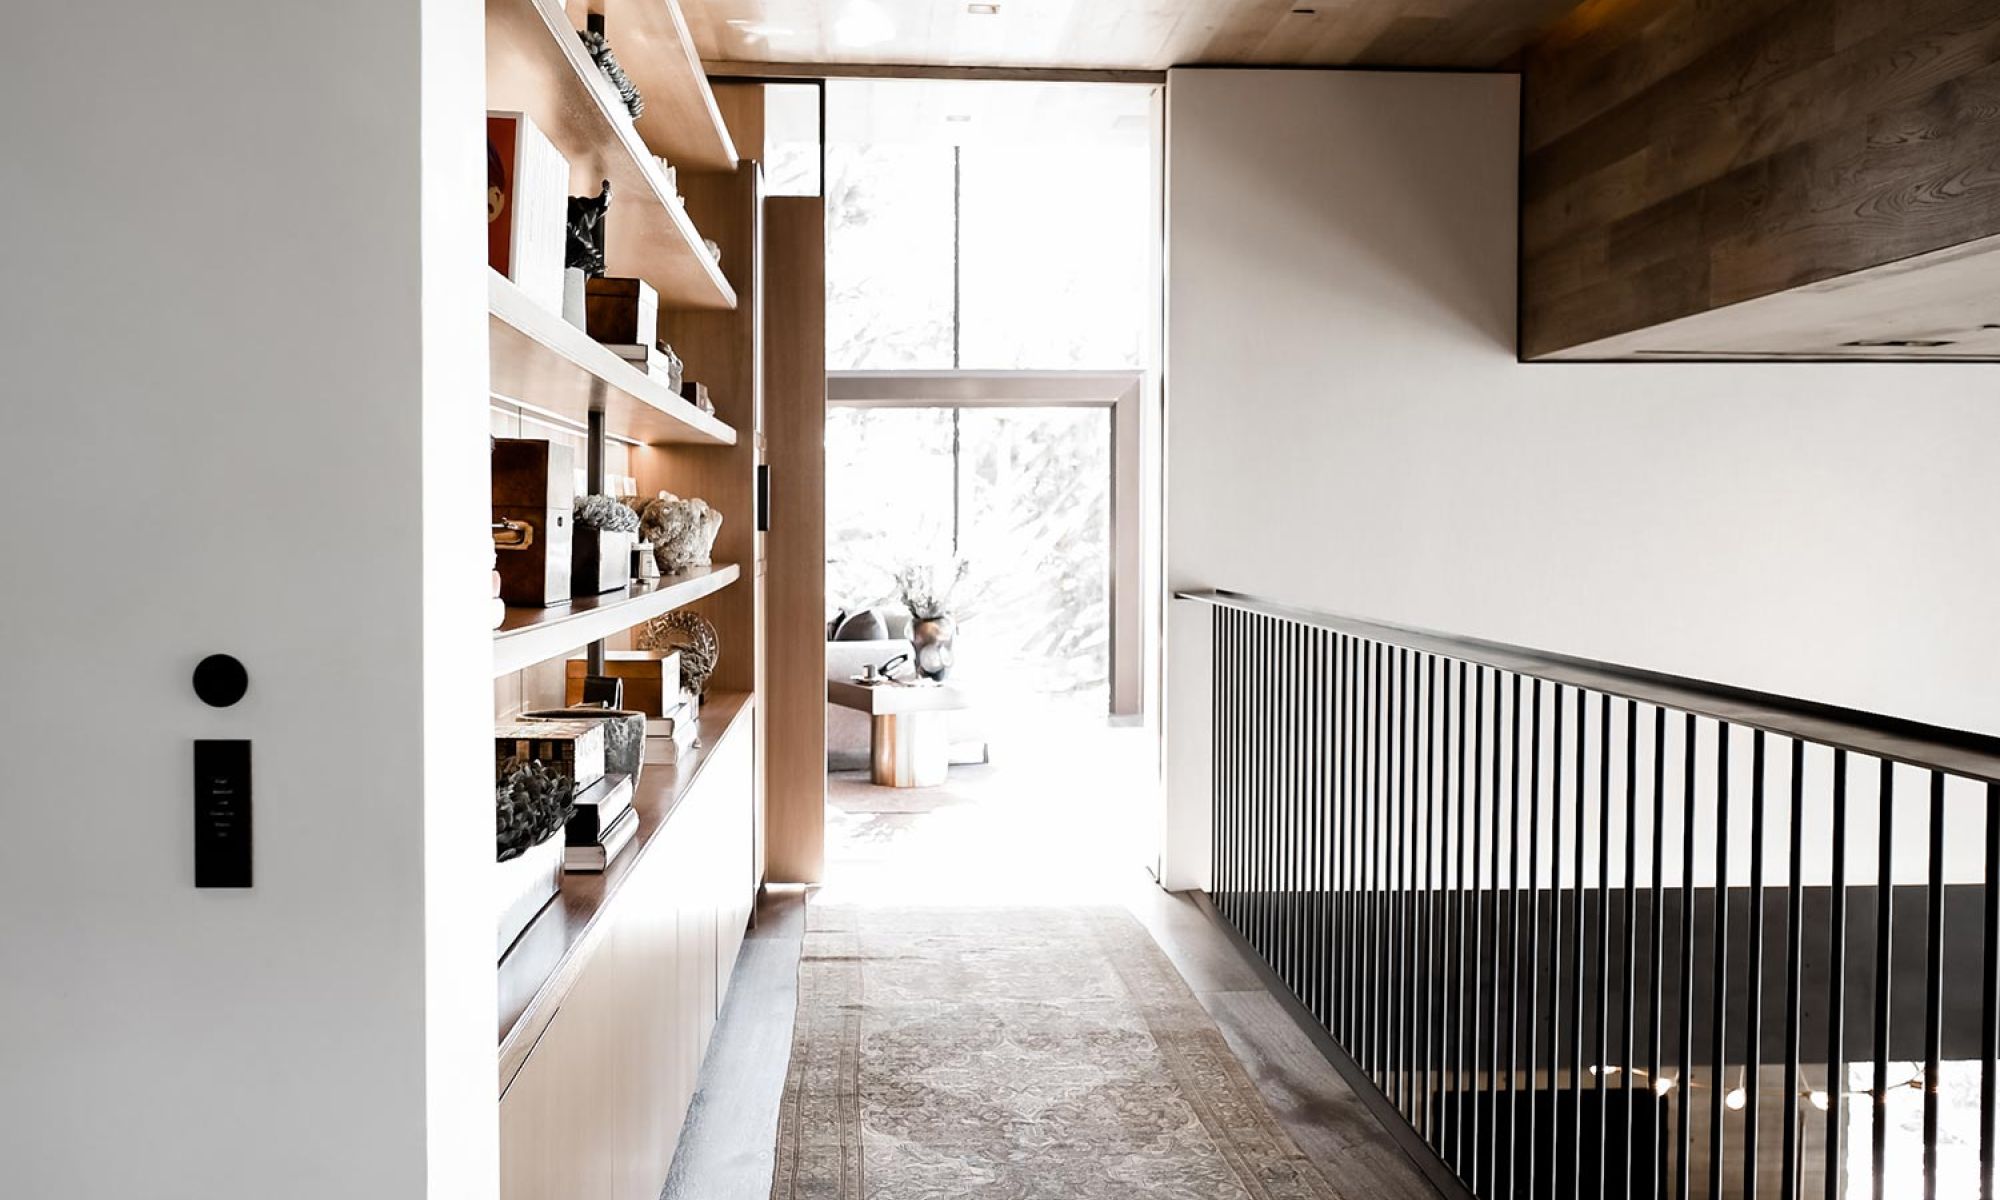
<point>847,730</point>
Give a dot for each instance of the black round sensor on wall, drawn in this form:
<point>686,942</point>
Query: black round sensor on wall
<point>220,680</point>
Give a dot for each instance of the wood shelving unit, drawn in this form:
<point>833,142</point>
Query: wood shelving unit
<point>682,121</point>
<point>539,967</point>
<point>532,635</point>
<point>536,64</point>
<point>541,361</point>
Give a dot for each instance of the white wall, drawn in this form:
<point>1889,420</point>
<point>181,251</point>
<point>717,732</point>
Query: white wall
<point>1348,430</point>
<point>244,409</point>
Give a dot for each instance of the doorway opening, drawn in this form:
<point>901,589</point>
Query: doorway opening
<point>993,315</point>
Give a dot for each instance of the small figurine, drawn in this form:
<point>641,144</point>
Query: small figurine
<point>586,231</point>
<point>600,53</point>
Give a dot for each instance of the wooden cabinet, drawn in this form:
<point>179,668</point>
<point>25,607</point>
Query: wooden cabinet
<point>595,1111</point>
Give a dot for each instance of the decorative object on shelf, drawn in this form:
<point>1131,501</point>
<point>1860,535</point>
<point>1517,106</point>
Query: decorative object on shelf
<point>933,629</point>
<point>587,215</point>
<point>603,691</point>
<point>645,567</point>
<point>607,62</point>
<point>670,177</point>
<point>599,807</point>
<point>571,749</point>
<point>527,197</point>
<point>714,249</point>
<point>658,361</point>
<point>624,733</point>
<point>696,393</point>
<point>533,485</point>
<point>690,633</point>
<point>621,311</point>
<point>524,885</point>
<point>652,679</point>
<point>682,531</point>
<point>531,804</point>
<point>601,546</point>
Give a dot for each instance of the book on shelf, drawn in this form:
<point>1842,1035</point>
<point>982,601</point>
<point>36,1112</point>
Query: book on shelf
<point>600,807</point>
<point>598,855</point>
<point>527,207</point>
<point>676,738</point>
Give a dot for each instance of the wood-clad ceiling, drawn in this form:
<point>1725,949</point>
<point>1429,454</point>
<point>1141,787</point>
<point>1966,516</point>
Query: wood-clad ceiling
<point>1120,34</point>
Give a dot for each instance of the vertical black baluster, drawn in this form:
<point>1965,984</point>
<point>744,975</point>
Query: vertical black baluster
<point>1478,994</point>
<point>1493,1134</point>
<point>1788,1187</point>
<point>1399,1007</point>
<point>1602,1088</point>
<point>1373,957</point>
<point>1836,983</point>
<point>1431,1128</point>
<point>1458,1041</point>
<point>1753,1029</point>
<point>1631,917</point>
<point>1989,983</point>
<point>1350,835</point>
<point>1377,802</point>
<point>1657,1102</point>
<point>1529,1141</point>
<point>1684,1107</point>
<point>1576,955</point>
<point>1217,757</point>
<point>1514,1158</point>
<point>1934,988</point>
<point>1718,1067</point>
<point>1885,893</point>
<point>1555,1174</point>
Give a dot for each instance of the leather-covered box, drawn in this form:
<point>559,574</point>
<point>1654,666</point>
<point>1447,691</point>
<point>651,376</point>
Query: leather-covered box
<point>534,482</point>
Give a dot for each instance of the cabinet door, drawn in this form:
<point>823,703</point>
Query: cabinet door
<point>555,1140</point>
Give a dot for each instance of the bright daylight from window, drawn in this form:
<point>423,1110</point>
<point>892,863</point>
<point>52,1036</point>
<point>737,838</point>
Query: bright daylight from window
<point>986,228</point>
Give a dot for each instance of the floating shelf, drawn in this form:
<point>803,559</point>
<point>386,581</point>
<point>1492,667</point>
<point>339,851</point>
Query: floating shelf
<point>532,635</point>
<point>543,962</point>
<point>682,121</point>
<point>536,64</point>
<point>543,362</point>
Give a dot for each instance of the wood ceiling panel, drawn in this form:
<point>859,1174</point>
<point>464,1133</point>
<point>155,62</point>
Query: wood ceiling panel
<point>1121,34</point>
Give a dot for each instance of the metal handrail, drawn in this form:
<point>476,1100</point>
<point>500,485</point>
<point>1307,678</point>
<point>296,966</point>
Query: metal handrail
<point>1931,747</point>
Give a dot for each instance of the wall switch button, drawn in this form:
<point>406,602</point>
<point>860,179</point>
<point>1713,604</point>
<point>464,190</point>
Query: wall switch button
<point>222,814</point>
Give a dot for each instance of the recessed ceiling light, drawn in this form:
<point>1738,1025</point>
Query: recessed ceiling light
<point>983,10</point>
<point>865,23</point>
<point>958,118</point>
<point>1901,343</point>
<point>1304,12</point>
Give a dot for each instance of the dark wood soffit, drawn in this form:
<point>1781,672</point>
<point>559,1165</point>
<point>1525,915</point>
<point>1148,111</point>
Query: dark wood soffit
<point>1683,155</point>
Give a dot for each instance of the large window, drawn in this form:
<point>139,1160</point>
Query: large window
<point>1022,495</point>
<point>978,231</point>
<point>987,225</point>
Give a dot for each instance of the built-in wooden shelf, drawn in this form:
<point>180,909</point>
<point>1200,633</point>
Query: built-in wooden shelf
<point>681,121</point>
<point>532,635</point>
<point>541,361</point>
<point>536,64</point>
<point>540,966</point>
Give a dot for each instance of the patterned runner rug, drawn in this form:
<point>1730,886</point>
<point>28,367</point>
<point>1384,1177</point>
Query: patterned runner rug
<point>1027,1054</point>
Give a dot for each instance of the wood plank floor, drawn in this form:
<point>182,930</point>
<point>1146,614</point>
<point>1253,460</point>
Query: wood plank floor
<point>726,1148</point>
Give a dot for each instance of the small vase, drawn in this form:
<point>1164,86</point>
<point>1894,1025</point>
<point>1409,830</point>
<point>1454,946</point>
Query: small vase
<point>931,638</point>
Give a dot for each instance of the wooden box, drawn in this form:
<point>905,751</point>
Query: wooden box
<point>534,482</point>
<point>621,311</point>
<point>652,679</point>
<point>574,749</point>
<point>600,560</point>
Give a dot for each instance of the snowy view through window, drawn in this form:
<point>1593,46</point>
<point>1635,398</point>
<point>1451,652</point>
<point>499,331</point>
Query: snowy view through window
<point>984,227</point>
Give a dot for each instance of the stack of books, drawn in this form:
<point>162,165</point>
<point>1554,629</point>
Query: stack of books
<point>672,736</point>
<point>602,826</point>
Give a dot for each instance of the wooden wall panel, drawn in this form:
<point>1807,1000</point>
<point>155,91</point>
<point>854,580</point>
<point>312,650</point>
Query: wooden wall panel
<point>795,548</point>
<point>1684,155</point>
<point>721,349</point>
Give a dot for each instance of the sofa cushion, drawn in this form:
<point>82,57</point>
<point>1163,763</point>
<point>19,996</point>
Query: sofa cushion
<point>864,626</point>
